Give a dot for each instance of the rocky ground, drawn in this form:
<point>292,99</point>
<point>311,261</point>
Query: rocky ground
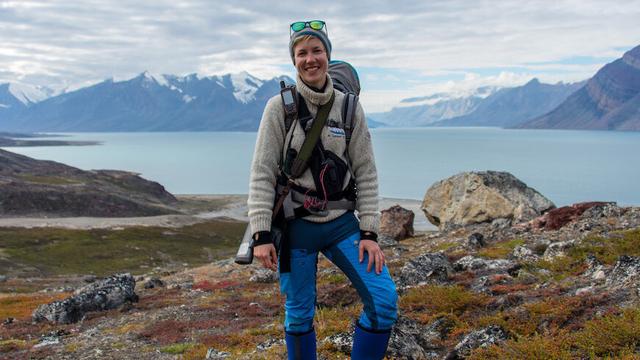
<point>494,290</point>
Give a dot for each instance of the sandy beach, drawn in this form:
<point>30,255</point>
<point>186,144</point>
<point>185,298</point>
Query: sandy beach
<point>229,206</point>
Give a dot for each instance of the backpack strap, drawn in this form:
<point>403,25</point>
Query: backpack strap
<point>349,107</point>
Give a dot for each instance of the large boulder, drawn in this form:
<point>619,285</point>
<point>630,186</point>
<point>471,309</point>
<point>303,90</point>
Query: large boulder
<point>478,197</point>
<point>397,223</point>
<point>106,294</point>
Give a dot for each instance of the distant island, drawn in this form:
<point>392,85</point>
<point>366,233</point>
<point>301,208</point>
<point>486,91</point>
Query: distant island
<point>18,140</point>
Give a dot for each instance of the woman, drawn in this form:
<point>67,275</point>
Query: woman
<point>347,241</point>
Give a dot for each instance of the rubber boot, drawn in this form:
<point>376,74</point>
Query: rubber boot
<point>369,345</point>
<point>301,346</point>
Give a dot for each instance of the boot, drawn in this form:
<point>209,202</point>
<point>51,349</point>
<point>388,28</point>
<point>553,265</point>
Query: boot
<point>301,346</point>
<point>369,345</point>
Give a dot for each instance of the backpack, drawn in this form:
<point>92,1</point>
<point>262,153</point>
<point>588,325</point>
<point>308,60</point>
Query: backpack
<point>345,79</point>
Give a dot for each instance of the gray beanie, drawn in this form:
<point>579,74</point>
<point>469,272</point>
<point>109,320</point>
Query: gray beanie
<point>321,35</point>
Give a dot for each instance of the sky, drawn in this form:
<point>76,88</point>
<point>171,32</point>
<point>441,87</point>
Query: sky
<point>401,48</point>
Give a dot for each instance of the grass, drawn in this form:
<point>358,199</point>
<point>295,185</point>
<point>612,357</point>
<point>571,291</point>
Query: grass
<point>176,349</point>
<point>22,306</point>
<point>607,250</point>
<point>55,251</point>
<point>427,302</point>
<point>609,336</point>
<point>500,250</point>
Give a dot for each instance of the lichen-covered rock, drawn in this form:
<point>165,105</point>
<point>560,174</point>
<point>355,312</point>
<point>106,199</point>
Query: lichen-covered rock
<point>265,276</point>
<point>213,354</point>
<point>523,253</point>
<point>626,272</point>
<point>397,222</point>
<point>490,335</point>
<point>341,341</point>
<point>426,268</point>
<point>477,197</point>
<point>476,240</point>
<point>109,293</point>
<point>153,283</point>
<point>473,263</point>
<point>410,340</point>
<point>558,249</point>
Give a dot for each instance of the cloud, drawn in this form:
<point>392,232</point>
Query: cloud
<point>58,43</point>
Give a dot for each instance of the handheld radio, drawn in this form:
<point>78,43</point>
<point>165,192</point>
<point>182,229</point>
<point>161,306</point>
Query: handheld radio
<point>288,94</point>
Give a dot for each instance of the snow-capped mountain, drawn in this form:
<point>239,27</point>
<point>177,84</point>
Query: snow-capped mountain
<point>151,102</point>
<point>426,110</point>
<point>16,97</point>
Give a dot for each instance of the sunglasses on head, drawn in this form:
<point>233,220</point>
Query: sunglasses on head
<point>313,24</point>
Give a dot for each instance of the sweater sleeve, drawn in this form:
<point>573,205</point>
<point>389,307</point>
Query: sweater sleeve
<point>364,168</point>
<point>264,167</point>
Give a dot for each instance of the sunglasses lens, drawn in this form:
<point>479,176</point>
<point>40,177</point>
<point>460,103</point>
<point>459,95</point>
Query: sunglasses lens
<point>297,26</point>
<point>316,25</point>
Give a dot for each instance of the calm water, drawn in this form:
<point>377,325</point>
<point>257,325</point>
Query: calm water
<point>565,166</point>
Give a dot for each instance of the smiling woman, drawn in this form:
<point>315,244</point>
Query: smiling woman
<point>312,166</point>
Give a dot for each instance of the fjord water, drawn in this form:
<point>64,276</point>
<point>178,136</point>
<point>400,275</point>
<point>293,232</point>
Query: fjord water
<point>565,166</point>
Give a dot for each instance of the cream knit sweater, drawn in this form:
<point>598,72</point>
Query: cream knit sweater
<point>269,146</point>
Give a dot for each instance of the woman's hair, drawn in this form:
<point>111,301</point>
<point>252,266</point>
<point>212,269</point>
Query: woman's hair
<point>303,38</point>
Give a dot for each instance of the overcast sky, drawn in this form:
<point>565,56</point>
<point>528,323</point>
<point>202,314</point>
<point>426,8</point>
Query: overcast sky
<point>401,48</point>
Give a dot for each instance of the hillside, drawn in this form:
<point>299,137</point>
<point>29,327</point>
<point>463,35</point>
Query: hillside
<point>609,101</point>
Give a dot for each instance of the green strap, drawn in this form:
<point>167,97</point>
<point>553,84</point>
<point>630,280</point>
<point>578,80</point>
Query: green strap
<point>311,139</point>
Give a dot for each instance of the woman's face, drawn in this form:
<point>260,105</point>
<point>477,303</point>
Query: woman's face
<point>311,62</point>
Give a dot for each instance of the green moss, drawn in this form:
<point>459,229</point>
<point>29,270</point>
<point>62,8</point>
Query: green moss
<point>176,349</point>
<point>536,347</point>
<point>429,301</point>
<point>104,251</point>
<point>607,250</point>
<point>610,335</point>
<point>500,250</point>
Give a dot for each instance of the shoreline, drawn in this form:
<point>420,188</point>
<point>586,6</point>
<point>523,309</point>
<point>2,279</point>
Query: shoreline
<point>231,206</point>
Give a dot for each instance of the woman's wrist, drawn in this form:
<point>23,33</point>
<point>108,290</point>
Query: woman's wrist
<point>368,235</point>
<point>262,238</point>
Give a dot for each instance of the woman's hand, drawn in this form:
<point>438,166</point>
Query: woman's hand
<point>375,254</point>
<point>267,255</point>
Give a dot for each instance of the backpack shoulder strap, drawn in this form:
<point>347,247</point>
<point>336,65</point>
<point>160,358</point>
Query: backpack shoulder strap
<point>349,107</point>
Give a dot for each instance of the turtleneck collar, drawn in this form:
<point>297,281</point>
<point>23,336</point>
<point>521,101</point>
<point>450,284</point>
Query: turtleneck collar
<point>315,97</point>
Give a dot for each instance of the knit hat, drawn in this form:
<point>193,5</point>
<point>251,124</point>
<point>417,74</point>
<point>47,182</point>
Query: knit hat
<point>321,35</point>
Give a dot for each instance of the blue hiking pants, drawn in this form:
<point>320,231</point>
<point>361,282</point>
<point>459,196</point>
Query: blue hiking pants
<point>338,240</point>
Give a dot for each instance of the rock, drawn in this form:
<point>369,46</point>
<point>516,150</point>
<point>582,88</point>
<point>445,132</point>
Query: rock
<point>89,278</point>
<point>386,241</point>
<point>397,222</point>
<point>426,268</point>
<point>470,262</point>
<point>595,269</point>
<point>341,341</point>
<point>154,282</point>
<point>558,249</point>
<point>625,273</point>
<point>501,223</point>
<point>557,218</point>
<point>477,197</point>
<point>8,321</point>
<point>265,276</point>
<point>106,294</point>
<point>3,278</point>
<point>51,338</point>
<point>476,240</point>
<point>214,354</point>
<point>410,340</point>
<point>523,253</point>
<point>269,344</point>
<point>490,335</point>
